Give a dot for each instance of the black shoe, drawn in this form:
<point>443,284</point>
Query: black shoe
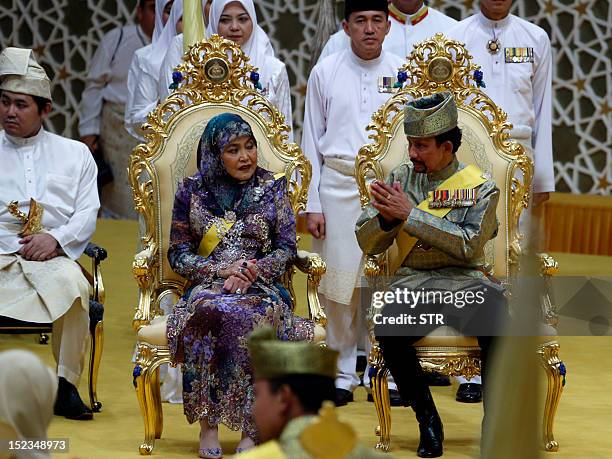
<point>469,393</point>
<point>431,437</point>
<point>437,379</point>
<point>69,403</point>
<point>394,397</point>
<point>430,425</point>
<point>343,396</point>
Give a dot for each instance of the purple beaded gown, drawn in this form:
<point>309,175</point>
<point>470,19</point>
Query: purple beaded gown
<point>208,328</point>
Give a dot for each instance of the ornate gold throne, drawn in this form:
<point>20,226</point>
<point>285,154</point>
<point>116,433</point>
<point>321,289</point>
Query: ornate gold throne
<point>435,65</point>
<point>214,78</point>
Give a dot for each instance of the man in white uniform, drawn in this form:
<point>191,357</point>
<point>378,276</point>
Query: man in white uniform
<point>411,22</point>
<point>344,90</point>
<point>103,102</point>
<point>39,281</point>
<point>516,62</point>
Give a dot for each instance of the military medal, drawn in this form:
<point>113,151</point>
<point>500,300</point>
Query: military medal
<point>388,84</point>
<point>518,55</point>
<point>493,46</point>
<point>462,197</point>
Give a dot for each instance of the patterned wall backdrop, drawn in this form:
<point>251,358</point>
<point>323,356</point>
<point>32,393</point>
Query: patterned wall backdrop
<point>64,34</point>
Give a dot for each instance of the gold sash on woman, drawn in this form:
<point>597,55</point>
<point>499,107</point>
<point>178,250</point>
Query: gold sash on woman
<point>220,228</point>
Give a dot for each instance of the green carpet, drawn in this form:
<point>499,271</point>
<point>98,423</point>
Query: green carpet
<point>582,423</point>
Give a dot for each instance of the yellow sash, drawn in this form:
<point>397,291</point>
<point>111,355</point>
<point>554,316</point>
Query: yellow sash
<point>468,177</point>
<point>219,229</point>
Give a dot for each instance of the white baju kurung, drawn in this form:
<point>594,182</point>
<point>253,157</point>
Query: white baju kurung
<point>59,174</point>
<point>343,93</point>
<point>404,34</point>
<point>102,112</point>
<point>522,89</point>
<point>142,95</point>
<point>142,92</point>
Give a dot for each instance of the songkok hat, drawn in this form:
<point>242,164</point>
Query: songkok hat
<point>431,115</point>
<point>352,6</point>
<point>20,73</point>
<point>272,358</point>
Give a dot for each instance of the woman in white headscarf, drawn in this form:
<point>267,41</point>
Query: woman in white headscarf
<point>236,20</point>
<point>27,392</point>
<point>144,69</point>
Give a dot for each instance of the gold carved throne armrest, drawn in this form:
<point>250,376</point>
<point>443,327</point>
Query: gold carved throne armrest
<point>144,271</point>
<point>313,265</point>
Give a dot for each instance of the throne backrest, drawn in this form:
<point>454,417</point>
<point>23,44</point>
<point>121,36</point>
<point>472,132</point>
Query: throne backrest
<point>214,79</point>
<point>435,65</point>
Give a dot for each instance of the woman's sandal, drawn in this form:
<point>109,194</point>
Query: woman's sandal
<point>211,453</point>
<point>240,449</point>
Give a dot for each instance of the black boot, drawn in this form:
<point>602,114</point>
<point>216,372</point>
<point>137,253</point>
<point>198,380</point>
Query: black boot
<point>430,425</point>
<point>69,403</point>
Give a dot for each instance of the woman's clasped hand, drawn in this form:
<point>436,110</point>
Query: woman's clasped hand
<point>239,276</point>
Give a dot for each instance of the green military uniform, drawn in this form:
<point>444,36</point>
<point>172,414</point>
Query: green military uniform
<point>443,239</point>
<point>449,247</point>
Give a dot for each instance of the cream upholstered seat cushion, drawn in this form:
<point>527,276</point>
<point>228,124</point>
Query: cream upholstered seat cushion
<point>155,332</point>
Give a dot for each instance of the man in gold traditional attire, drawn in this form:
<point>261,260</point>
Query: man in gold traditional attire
<point>293,380</point>
<point>442,213</point>
<point>48,207</point>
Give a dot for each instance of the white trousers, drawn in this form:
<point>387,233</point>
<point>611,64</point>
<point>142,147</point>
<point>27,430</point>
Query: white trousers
<point>69,342</point>
<point>346,326</point>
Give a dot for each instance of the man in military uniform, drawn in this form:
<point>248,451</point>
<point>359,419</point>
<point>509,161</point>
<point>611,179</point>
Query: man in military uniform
<point>441,212</point>
<point>293,380</point>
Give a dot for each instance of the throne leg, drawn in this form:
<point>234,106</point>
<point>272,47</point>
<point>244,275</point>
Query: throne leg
<point>156,404</point>
<point>380,394</point>
<point>549,354</point>
<point>140,383</point>
<point>146,382</point>
<point>95,356</point>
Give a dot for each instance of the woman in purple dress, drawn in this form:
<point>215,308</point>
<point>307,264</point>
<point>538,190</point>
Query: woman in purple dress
<point>232,237</point>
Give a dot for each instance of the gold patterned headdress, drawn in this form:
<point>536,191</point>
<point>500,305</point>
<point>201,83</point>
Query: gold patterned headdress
<point>20,73</point>
<point>431,115</point>
<point>273,358</point>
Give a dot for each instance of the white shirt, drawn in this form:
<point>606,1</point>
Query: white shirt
<point>142,92</point>
<point>273,78</point>
<point>58,173</point>
<point>343,93</point>
<point>523,90</point>
<point>107,77</point>
<point>402,36</point>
